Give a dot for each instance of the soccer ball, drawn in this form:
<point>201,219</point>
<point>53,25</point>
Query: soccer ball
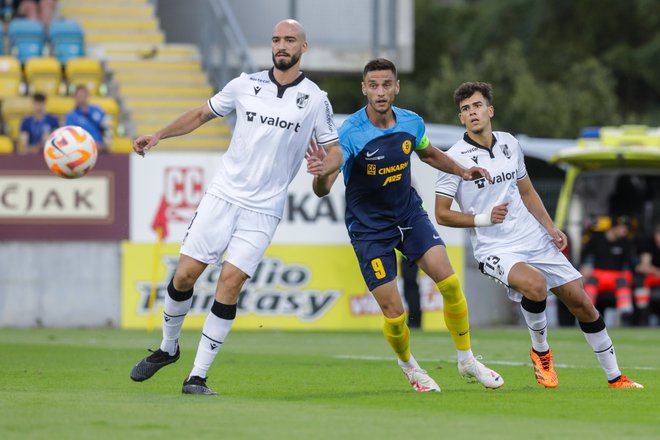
<point>70,152</point>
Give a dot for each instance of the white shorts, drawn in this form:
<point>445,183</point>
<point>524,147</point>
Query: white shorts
<point>548,259</point>
<point>219,226</point>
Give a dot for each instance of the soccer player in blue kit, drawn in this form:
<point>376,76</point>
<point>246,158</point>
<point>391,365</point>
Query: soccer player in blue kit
<point>384,213</point>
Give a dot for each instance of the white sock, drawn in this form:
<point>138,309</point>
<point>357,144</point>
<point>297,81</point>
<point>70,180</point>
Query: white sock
<point>214,333</point>
<point>410,364</point>
<point>602,346</point>
<point>537,324</point>
<point>174,312</point>
<point>464,355</point>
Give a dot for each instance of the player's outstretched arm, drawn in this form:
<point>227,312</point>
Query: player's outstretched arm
<point>184,124</point>
<point>446,216</point>
<point>324,166</point>
<point>441,161</point>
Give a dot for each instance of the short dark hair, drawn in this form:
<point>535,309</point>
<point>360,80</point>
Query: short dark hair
<point>39,97</point>
<point>468,89</point>
<point>379,64</point>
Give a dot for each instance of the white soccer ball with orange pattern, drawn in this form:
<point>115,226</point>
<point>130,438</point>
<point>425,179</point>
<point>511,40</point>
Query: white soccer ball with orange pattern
<point>70,152</point>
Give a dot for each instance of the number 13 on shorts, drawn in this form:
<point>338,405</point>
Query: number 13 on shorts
<point>379,269</point>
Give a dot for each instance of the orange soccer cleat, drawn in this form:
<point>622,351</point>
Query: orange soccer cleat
<point>624,382</point>
<point>544,370</point>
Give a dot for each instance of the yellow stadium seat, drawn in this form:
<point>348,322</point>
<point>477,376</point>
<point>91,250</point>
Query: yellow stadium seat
<point>10,76</point>
<point>121,145</point>
<point>87,71</point>
<point>44,75</point>
<point>60,106</point>
<point>14,109</point>
<point>6,145</point>
<point>109,105</point>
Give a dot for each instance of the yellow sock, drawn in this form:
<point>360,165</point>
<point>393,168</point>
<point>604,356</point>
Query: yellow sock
<point>397,333</point>
<point>455,311</point>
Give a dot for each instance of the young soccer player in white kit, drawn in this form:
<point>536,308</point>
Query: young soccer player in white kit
<point>513,237</point>
<point>278,112</point>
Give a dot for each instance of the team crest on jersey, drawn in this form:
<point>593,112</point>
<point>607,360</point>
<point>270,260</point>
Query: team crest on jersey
<point>407,146</point>
<point>505,151</point>
<point>302,99</point>
<point>371,169</point>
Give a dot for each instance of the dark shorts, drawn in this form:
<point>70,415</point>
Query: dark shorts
<point>375,251</point>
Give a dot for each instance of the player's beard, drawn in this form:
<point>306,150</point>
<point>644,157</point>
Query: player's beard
<point>286,64</point>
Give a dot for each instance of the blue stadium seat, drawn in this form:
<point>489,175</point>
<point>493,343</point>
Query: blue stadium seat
<point>66,39</point>
<point>26,38</point>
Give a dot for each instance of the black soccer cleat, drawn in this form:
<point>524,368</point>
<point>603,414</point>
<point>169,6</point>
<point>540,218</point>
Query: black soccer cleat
<point>197,385</point>
<point>148,366</point>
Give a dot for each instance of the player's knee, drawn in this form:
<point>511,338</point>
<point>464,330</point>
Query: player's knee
<point>581,307</point>
<point>450,288</point>
<point>535,288</point>
<point>184,280</point>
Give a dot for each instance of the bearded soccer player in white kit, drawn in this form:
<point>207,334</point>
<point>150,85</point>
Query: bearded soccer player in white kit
<point>513,237</point>
<point>278,112</point>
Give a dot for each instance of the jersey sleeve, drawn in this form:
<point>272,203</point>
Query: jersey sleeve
<point>224,102</point>
<point>324,125</point>
<point>420,134</point>
<point>447,184</point>
<point>521,171</point>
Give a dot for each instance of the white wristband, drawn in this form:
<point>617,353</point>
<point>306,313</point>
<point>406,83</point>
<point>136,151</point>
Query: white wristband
<point>482,220</point>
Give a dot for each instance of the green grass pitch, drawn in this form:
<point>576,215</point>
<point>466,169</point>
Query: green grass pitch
<point>74,384</point>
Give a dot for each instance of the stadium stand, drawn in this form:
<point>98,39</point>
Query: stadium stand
<point>26,38</point>
<point>44,75</point>
<point>154,82</point>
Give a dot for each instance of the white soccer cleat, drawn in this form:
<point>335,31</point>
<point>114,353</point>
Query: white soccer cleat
<point>420,380</point>
<point>473,369</point>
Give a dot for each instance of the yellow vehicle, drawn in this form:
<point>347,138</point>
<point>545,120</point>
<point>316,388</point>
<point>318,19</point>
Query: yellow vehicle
<point>612,172</point>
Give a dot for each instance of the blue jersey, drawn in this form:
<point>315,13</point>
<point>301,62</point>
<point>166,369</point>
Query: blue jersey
<point>376,167</point>
<point>38,129</point>
<point>92,121</point>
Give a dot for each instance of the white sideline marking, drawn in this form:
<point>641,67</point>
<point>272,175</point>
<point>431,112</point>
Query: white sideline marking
<point>509,363</point>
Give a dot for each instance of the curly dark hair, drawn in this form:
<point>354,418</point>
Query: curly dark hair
<point>468,89</point>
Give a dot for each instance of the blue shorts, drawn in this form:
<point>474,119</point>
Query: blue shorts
<point>376,254</point>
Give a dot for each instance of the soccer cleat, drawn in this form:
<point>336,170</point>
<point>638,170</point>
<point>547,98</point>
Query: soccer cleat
<point>544,370</point>
<point>624,382</point>
<point>148,366</point>
<point>197,385</point>
<point>420,380</point>
<point>473,369</point>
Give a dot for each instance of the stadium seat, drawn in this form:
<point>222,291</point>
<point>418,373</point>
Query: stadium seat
<point>60,106</point>
<point>121,145</point>
<point>85,71</point>
<point>26,38</point>
<point>6,145</point>
<point>14,109</point>
<point>43,75</point>
<point>10,76</point>
<point>66,39</point>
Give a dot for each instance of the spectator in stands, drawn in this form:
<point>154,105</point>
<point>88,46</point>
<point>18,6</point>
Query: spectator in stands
<point>90,117</point>
<point>36,127</point>
<point>39,10</point>
<point>606,264</point>
<point>649,267</point>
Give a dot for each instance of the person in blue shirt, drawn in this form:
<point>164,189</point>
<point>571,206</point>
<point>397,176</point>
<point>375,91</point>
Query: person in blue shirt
<point>36,127</point>
<point>90,117</point>
<point>384,213</point>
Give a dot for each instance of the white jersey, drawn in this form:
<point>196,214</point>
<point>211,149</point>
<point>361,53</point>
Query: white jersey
<point>274,125</point>
<point>506,164</point>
